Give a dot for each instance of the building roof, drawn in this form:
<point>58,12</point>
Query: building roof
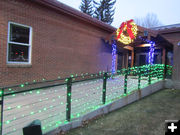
<point>56,5</point>
<point>167,28</point>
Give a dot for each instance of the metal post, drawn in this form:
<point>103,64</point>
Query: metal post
<point>139,78</point>
<point>2,103</point>
<point>68,104</point>
<point>165,71</point>
<point>104,88</point>
<point>149,79</point>
<point>165,64</point>
<point>125,82</point>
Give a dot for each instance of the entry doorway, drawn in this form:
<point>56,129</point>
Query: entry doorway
<point>119,61</point>
<point>142,59</point>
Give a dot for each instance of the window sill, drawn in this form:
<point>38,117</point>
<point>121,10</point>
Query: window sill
<point>16,65</point>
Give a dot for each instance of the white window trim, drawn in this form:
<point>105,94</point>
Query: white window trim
<point>24,44</point>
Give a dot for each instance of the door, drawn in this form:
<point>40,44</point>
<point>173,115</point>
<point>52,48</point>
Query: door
<point>142,60</point>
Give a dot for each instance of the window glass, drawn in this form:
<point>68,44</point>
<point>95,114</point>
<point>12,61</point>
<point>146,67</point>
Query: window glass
<point>18,53</point>
<point>19,34</point>
<point>19,43</point>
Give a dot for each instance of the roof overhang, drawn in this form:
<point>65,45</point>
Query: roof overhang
<point>167,31</point>
<point>56,5</point>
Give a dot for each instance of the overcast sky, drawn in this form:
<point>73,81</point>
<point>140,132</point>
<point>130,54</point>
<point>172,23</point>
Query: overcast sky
<point>167,11</point>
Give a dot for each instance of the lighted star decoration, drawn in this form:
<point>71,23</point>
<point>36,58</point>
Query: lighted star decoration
<point>127,32</point>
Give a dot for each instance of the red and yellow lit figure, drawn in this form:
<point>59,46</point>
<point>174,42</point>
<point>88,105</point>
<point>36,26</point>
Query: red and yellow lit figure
<point>127,32</point>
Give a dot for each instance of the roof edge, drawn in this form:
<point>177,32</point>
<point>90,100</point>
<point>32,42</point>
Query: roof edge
<point>152,32</point>
<point>75,13</point>
<point>171,30</point>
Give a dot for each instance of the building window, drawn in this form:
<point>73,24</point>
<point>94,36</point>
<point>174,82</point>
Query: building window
<point>19,43</point>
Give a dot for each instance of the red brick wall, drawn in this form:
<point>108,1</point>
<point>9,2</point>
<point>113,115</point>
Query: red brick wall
<point>174,38</point>
<point>61,44</point>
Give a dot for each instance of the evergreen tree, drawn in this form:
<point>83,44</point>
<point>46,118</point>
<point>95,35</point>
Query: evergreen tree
<point>104,10</point>
<point>86,7</point>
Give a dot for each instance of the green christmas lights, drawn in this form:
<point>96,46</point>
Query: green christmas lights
<point>82,100</point>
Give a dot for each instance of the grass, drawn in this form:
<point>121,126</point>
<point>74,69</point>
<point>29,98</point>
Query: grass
<point>144,117</point>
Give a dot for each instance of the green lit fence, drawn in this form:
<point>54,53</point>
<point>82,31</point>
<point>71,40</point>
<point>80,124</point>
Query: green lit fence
<point>1,103</point>
<point>66,99</point>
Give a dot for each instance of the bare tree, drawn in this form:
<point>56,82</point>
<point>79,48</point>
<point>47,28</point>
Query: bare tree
<point>149,21</point>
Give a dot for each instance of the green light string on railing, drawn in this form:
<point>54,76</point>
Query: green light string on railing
<point>148,72</point>
<point>115,87</point>
<point>85,108</point>
<point>53,120</point>
<point>60,115</point>
<point>74,77</point>
<point>149,76</point>
<point>2,104</point>
<point>169,70</point>
<point>165,72</point>
<point>32,113</point>
<point>45,109</point>
<point>52,125</point>
<point>30,92</point>
<point>86,94</point>
<point>96,99</point>
<point>104,88</point>
<point>78,103</point>
<point>125,82</point>
<point>85,105</point>
<point>132,84</point>
<point>139,78</point>
<point>89,98</point>
<point>160,73</point>
<point>118,72</point>
<point>68,104</point>
<point>116,92</point>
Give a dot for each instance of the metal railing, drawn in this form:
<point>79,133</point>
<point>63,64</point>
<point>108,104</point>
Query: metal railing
<point>72,96</point>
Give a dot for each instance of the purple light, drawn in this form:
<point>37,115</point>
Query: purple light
<point>113,56</point>
<point>151,53</point>
<point>151,50</point>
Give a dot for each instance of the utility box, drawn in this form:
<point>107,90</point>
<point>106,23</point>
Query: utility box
<point>33,128</point>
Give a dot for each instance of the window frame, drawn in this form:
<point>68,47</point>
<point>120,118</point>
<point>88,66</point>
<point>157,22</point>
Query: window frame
<point>17,43</point>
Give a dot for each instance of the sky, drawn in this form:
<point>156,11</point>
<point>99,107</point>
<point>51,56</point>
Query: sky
<point>167,11</point>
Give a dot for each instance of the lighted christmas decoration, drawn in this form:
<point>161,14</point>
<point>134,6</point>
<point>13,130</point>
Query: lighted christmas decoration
<point>151,50</point>
<point>113,56</point>
<point>47,102</point>
<point>151,54</point>
<point>127,32</point>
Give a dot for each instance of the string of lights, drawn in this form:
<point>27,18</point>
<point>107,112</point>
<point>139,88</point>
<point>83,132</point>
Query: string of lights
<point>151,50</point>
<point>127,32</point>
<point>113,56</point>
<point>49,105</point>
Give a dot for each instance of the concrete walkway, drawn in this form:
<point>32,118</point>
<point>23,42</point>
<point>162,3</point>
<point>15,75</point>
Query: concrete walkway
<point>49,105</point>
<point>144,117</point>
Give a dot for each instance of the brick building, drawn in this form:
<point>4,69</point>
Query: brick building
<point>172,34</point>
<point>47,39</point>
